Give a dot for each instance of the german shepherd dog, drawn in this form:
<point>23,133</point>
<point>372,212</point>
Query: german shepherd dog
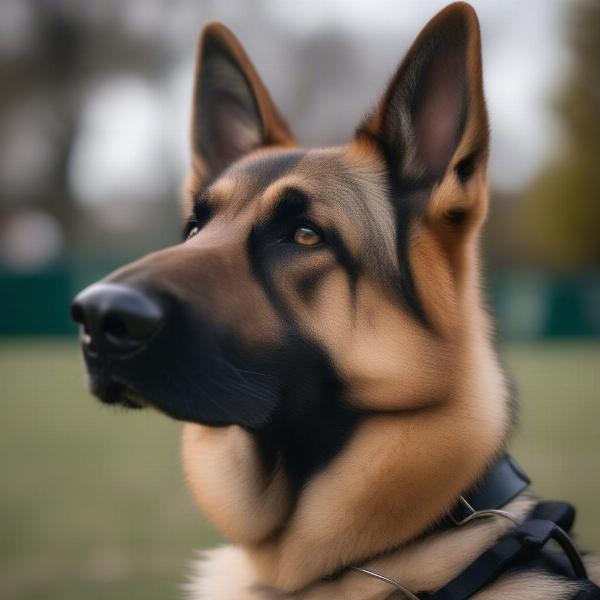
<point>321,332</point>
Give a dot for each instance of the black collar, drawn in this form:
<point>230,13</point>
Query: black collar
<point>500,484</point>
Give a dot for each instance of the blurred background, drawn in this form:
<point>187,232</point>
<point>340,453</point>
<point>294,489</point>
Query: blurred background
<point>94,108</point>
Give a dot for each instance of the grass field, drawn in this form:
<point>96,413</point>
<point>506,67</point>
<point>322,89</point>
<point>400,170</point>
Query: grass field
<point>92,504</point>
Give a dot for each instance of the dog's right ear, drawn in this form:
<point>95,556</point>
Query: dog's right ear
<point>233,113</point>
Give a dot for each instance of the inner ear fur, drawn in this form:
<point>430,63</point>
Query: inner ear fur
<point>233,113</point>
<point>431,122</point>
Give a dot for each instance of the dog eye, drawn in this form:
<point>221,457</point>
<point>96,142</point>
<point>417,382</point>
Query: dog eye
<point>193,231</point>
<point>307,236</point>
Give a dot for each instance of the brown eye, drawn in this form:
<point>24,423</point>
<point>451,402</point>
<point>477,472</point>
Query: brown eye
<point>193,231</point>
<point>307,236</point>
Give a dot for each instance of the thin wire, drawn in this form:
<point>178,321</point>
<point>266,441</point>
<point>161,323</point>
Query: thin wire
<point>477,514</point>
<point>392,582</point>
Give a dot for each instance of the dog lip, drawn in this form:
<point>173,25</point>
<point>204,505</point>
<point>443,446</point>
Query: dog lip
<point>111,389</point>
<point>128,396</point>
<point>106,383</point>
<point>120,393</point>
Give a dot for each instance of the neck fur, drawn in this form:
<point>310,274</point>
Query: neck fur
<point>398,474</point>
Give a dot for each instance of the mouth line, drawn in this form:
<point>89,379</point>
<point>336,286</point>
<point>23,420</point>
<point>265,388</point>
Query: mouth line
<point>112,390</point>
<point>131,399</point>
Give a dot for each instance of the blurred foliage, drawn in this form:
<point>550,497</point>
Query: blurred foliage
<point>559,216</point>
<point>65,50</point>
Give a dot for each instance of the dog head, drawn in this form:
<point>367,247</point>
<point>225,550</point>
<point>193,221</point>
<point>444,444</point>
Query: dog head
<point>315,289</point>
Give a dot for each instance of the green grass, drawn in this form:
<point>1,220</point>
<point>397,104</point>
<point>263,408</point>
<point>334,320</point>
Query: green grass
<point>558,438</point>
<point>92,504</point>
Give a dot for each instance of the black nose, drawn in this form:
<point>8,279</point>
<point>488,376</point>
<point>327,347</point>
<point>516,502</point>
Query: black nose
<point>116,318</point>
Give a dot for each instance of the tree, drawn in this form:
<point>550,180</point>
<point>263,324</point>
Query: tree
<point>560,213</point>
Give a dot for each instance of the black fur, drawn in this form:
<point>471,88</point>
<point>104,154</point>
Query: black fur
<point>313,422</point>
<point>408,200</point>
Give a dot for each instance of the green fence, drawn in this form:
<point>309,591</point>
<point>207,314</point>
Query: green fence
<point>527,304</point>
<point>532,304</point>
<point>37,303</point>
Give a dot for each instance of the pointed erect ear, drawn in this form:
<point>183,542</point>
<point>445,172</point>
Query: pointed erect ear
<point>233,113</point>
<point>432,121</point>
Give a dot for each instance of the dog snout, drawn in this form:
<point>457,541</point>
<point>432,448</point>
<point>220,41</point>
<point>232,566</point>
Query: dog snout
<point>116,319</point>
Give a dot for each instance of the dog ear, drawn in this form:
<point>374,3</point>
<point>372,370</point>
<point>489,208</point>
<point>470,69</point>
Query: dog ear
<point>431,121</point>
<point>233,113</point>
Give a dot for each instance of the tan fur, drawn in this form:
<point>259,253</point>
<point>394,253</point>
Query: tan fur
<point>530,585</point>
<point>386,501</point>
<point>212,576</point>
<point>227,479</point>
<point>368,352</point>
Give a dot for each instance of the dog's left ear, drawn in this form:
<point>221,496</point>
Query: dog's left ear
<point>233,113</point>
<point>431,122</point>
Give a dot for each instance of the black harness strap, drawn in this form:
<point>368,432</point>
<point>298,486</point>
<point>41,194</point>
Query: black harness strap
<point>516,549</point>
<point>562,514</point>
<point>590,592</point>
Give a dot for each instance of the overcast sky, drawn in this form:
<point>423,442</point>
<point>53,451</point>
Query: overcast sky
<point>525,59</point>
